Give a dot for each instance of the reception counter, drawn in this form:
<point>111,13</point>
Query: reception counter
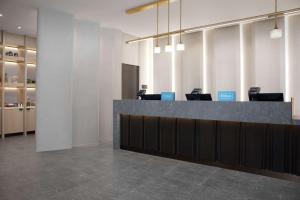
<point>242,135</point>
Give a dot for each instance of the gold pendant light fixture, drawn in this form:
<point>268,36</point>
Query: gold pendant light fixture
<point>157,47</point>
<point>168,47</point>
<point>276,32</point>
<point>180,45</point>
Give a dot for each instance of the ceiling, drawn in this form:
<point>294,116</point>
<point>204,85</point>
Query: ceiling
<point>111,13</point>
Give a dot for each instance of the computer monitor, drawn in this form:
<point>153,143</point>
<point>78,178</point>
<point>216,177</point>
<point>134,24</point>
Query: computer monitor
<point>253,92</point>
<point>198,97</point>
<point>151,97</point>
<point>270,97</point>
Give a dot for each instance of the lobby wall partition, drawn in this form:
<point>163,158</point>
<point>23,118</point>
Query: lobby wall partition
<point>18,83</point>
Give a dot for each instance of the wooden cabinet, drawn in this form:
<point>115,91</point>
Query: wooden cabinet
<point>13,120</point>
<point>30,119</point>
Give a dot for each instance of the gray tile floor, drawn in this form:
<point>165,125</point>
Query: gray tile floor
<point>102,173</point>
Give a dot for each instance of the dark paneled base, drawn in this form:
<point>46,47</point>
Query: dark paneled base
<point>266,149</point>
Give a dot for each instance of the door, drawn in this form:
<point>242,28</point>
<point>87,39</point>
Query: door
<point>130,81</point>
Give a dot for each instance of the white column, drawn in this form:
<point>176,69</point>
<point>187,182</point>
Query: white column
<point>54,78</point>
<point>109,79</point>
<point>85,83</point>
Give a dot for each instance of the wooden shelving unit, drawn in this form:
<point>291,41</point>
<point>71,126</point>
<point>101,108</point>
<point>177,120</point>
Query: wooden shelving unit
<point>17,73</point>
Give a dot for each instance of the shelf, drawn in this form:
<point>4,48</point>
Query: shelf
<point>19,47</point>
<point>8,86</point>
<point>31,50</point>
<point>19,60</point>
<point>12,108</point>
<point>30,85</point>
<point>31,64</point>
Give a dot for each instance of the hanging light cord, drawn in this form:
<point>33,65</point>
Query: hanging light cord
<point>157,16</point>
<point>168,22</point>
<point>180,34</point>
<point>276,17</point>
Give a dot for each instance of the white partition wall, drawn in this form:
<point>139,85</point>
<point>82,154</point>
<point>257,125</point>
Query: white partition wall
<point>54,77</point>
<point>292,53</point>
<point>223,60</point>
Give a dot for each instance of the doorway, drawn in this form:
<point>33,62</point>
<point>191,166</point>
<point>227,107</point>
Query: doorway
<point>130,81</point>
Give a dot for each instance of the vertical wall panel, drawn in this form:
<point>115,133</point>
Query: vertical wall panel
<point>167,136</point>
<point>223,57</point>
<point>54,77</point>
<point>146,64</point>
<point>228,142</point>
<point>206,136</point>
<point>294,60</point>
<point>124,130</point>
<point>191,63</point>
<point>162,69</point>
<point>265,57</point>
<point>85,83</point>
<point>253,145</point>
<point>185,138</point>
<point>151,134</point>
<point>136,132</point>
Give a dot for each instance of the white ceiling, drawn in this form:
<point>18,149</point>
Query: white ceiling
<point>111,13</point>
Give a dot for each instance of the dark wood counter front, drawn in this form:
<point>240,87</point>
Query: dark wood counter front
<point>254,147</point>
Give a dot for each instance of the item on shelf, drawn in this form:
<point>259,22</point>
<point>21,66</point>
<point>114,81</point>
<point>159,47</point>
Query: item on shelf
<point>6,78</point>
<point>9,53</point>
<point>16,55</point>
<point>30,81</point>
<point>14,79</point>
<point>10,105</point>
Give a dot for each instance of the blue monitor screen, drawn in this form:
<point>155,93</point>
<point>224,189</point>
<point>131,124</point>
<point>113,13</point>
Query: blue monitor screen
<point>168,96</point>
<point>227,96</point>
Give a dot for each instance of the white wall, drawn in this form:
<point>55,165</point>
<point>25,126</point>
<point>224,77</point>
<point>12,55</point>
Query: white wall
<point>293,49</point>
<point>267,70</point>
<point>162,70</point>
<point>224,60</point>
<point>146,64</point>
<point>109,79</point>
<point>130,53</point>
<point>54,78</point>
<point>85,83</point>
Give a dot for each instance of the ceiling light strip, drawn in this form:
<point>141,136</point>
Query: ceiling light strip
<point>222,24</point>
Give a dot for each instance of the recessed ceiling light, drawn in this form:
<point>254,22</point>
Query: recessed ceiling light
<point>19,27</point>
<point>1,15</point>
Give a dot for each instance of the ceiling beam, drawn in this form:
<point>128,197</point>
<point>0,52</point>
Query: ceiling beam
<point>144,7</point>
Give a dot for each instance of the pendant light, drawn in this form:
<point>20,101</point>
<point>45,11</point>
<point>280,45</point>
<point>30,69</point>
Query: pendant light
<point>276,32</point>
<point>157,47</point>
<point>168,47</point>
<point>180,45</point>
